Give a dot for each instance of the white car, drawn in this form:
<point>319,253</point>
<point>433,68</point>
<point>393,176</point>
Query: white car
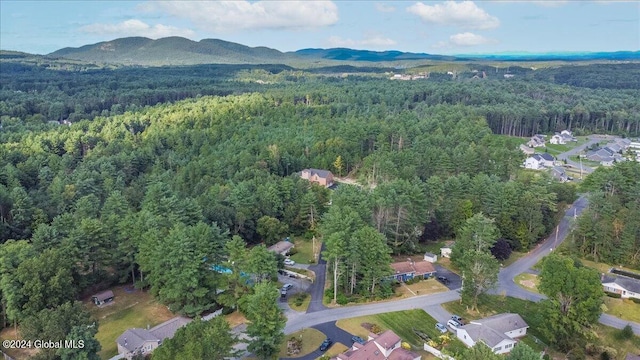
<point>453,324</point>
<point>289,262</point>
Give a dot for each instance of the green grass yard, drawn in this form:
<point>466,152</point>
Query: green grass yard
<point>528,282</point>
<point>136,309</point>
<point>304,250</point>
<point>622,308</point>
<point>402,323</point>
<point>311,340</point>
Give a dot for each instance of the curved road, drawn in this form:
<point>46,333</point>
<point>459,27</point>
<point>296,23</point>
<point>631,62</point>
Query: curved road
<point>431,303</point>
<point>593,139</point>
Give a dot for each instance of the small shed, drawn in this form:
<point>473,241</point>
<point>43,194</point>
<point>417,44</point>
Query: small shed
<point>445,251</point>
<point>103,298</point>
<point>430,257</point>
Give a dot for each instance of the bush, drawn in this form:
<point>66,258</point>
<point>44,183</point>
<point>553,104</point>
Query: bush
<point>613,295</point>
<point>376,329</point>
<point>342,299</point>
<point>293,251</point>
<point>299,299</point>
<point>626,333</point>
<point>635,300</point>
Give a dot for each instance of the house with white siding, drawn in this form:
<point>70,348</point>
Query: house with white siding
<point>498,332</point>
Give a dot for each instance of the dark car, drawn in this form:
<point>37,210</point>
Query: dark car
<point>457,319</point>
<point>359,340</point>
<point>443,279</point>
<point>325,344</point>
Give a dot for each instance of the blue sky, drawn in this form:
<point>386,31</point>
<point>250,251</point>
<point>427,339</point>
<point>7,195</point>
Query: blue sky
<point>442,27</point>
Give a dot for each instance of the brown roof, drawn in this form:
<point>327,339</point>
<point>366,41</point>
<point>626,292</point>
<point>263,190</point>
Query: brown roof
<point>424,267</point>
<point>420,267</point>
<point>402,267</point>
<point>387,339</point>
<point>103,295</point>
<point>402,354</point>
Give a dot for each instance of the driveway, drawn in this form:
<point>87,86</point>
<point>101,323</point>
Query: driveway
<point>330,330</point>
<point>317,288</point>
<point>455,282</point>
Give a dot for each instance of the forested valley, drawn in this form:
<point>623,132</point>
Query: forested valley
<point>157,172</point>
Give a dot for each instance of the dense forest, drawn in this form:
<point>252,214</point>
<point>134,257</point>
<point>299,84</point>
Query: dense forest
<point>128,191</point>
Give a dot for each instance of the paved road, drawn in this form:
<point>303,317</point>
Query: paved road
<point>506,275</point>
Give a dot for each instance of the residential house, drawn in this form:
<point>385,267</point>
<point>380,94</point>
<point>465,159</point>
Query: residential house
<point>321,177</point>
<point>539,161</point>
<point>624,143</point>
<point>499,332</point>
<point>558,173</point>
<point>536,141</point>
<point>625,286</point>
<point>379,347</point>
<point>102,298</point>
<point>408,270</point>
<point>136,341</point>
<point>281,247</point>
<point>430,257</point>
<point>567,136</point>
<point>527,150</point>
<point>557,139</point>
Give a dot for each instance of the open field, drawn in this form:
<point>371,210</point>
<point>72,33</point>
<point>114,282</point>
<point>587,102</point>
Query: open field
<point>402,323</point>
<point>622,308</point>
<point>134,309</point>
<point>311,340</point>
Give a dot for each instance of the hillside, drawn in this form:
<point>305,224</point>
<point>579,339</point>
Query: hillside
<point>172,51</point>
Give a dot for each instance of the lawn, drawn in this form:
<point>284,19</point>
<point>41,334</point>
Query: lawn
<point>623,308</point>
<point>10,334</point>
<point>585,162</point>
<point>301,308</point>
<point>311,340</point>
<point>528,282</point>
<point>423,287</point>
<point>402,323</point>
<point>136,309</point>
<point>304,250</point>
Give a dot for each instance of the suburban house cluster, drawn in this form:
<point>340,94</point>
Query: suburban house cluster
<point>610,153</point>
<point>499,332</point>
<point>539,161</point>
<point>379,347</point>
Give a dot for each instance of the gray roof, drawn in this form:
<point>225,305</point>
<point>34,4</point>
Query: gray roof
<point>103,295</point>
<point>547,156</point>
<point>492,330</point>
<point>133,339</point>
<point>320,173</point>
<point>627,283</point>
<point>280,246</point>
<point>168,328</point>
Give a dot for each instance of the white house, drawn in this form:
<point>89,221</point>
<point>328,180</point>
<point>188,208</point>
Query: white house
<point>536,141</point>
<point>498,332</point>
<point>626,287</point>
<point>557,139</point>
<point>539,161</point>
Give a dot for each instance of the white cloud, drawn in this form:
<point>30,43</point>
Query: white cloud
<point>544,3</point>
<point>385,8</point>
<point>242,14</point>
<point>370,41</point>
<point>469,39</point>
<point>135,27</point>
<point>465,14</point>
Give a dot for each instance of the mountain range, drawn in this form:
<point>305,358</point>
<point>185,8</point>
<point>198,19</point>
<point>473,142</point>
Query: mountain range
<point>182,51</point>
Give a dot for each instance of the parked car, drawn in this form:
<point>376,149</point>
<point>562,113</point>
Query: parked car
<point>441,328</point>
<point>453,324</point>
<point>458,319</point>
<point>325,344</point>
<point>286,287</point>
<point>289,262</point>
<point>443,279</point>
<point>359,340</point>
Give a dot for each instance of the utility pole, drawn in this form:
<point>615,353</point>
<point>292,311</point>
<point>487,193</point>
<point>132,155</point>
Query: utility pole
<point>580,156</point>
